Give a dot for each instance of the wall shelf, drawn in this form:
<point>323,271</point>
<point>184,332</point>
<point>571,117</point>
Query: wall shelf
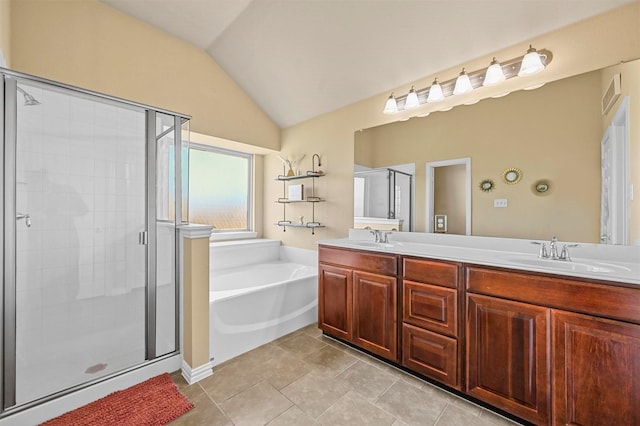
<point>310,198</point>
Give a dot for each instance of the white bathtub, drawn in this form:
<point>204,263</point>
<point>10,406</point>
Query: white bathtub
<point>254,303</point>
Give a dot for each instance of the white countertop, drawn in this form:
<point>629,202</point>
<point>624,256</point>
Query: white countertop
<point>595,261</point>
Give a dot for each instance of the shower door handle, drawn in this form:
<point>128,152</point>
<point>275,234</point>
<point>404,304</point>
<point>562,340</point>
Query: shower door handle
<point>26,217</point>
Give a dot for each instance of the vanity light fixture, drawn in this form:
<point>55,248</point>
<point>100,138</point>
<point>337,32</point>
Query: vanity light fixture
<point>391,107</point>
<point>412,99</point>
<point>494,74</point>
<point>435,92</point>
<point>463,84</point>
<point>532,62</point>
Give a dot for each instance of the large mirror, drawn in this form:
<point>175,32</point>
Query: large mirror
<point>528,165</point>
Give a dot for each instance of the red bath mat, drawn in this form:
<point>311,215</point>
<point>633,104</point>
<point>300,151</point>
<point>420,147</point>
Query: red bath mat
<point>154,402</point>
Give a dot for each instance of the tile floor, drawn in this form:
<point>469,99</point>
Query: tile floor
<point>305,378</point>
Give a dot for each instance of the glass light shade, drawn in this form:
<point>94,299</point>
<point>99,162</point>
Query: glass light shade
<point>494,74</point>
<point>463,84</point>
<point>435,92</point>
<point>391,107</point>
<point>412,99</point>
<point>531,63</point>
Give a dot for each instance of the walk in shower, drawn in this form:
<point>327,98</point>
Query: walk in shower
<point>92,194</point>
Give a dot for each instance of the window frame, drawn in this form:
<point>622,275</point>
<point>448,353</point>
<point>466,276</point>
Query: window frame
<point>250,200</point>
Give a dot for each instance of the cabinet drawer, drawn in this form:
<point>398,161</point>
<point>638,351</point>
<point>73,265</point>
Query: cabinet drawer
<point>593,298</point>
<point>363,260</point>
<point>430,354</point>
<point>431,307</point>
<point>431,272</point>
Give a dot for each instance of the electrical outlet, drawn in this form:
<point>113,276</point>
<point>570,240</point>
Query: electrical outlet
<point>500,202</point>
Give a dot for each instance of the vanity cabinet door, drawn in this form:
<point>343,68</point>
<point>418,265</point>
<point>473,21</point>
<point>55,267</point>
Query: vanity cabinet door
<point>335,300</point>
<point>375,314</point>
<point>508,356</point>
<point>596,371</point>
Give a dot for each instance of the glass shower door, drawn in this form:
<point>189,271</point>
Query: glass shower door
<point>80,267</point>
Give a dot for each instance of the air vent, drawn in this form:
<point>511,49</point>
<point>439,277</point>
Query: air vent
<point>611,95</point>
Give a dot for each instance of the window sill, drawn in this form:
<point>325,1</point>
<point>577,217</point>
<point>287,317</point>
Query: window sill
<point>226,236</point>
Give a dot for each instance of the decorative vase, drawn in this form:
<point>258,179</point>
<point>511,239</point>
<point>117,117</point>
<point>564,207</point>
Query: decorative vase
<point>291,172</point>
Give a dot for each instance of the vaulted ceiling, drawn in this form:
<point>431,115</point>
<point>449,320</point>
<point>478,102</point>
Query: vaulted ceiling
<point>301,58</point>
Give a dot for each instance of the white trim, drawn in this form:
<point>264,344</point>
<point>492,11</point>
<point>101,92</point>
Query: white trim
<point>430,171</point>
<point>193,230</point>
<point>193,375</point>
<point>228,236</point>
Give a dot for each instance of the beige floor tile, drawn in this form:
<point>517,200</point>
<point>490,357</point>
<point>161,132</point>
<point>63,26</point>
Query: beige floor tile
<point>257,405</point>
<point>312,330</point>
<point>204,412</point>
<point>294,416</point>
<point>283,370</point>
<point>301,345</point>
<point>412,405</point>
<point>367,380</point>
<point>315,392</point>
<point>330,361</point>
<point>353,410</point>
<point>229,381</point>
<point>455,416</point>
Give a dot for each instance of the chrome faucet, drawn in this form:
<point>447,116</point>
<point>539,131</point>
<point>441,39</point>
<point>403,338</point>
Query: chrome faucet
<point>380,237</point>
<point>552,253</point>
<point>553,249</point>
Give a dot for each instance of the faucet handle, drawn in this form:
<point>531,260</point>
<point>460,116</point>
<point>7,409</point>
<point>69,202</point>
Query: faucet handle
<point>385,238</point>
<point>564,254</point>
<point>542,254</point>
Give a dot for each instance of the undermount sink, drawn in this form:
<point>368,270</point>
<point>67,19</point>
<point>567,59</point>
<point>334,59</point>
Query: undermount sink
<point>563,265</point>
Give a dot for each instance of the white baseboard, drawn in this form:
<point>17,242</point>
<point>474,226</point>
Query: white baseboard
<point>193,375</point>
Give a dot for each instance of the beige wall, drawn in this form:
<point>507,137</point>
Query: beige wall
<point>88,44</point>
<point>585,46</point>
<point>5,30</point>
<point>630,84</point>
<point>449,196</point>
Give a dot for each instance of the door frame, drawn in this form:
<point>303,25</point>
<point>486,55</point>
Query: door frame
<point>430,191</point>
<point>617,135</point>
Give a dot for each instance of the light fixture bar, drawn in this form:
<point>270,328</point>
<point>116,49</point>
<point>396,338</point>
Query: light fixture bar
<point>510,69</point>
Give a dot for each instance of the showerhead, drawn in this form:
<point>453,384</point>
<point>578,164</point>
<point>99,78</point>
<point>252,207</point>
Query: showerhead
<point>28,99</point>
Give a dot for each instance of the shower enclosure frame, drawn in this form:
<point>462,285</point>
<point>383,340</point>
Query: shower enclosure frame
<point>8,225</point>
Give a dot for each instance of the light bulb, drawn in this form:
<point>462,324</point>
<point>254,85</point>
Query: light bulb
<point>435,92</point>
<point>463,84</point>
<point>412,99</point>
<point>391,107</point>
<point>531,63</point>
<point>494,74</point>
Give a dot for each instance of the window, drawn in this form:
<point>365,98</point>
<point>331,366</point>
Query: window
<point>220,188</point>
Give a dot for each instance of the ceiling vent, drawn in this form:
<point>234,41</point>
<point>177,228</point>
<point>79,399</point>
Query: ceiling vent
<point>611,95</point>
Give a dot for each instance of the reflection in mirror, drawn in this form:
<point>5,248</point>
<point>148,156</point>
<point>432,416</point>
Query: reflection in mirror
<point>553,134</point>
<point>383,198</point>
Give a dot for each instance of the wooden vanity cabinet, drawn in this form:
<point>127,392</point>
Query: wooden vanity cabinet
<point>430,319</point>
<point>553,350</point>
<point>357,298</point>
<point>596,371</point>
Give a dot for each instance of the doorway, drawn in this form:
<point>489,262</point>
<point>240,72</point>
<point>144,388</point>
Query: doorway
<point>449,193</point>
